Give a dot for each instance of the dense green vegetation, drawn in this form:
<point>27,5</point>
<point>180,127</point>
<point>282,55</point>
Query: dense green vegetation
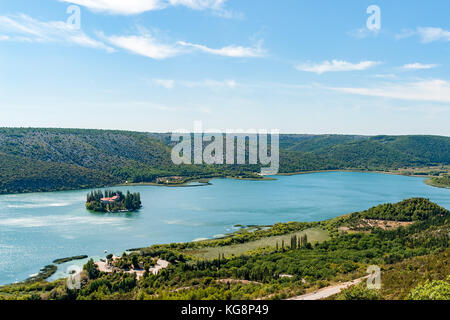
<point>403,214</point>
<point>364,153</point>
<point>18,174</point>
<point>400,279</point>
<point>408,210</point>
<point>61,159</point>
<point>432,290</point>
<point>281,271</point>
<point>95,201</point>
<point>443,181</point>
<point>64,260</point>
<point>43,274</point>
<point>358,292</point>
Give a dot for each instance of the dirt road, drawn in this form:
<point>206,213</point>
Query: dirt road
<point>328,291</point>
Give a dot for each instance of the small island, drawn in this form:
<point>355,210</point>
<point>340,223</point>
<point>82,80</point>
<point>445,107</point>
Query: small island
<point>113,201</point>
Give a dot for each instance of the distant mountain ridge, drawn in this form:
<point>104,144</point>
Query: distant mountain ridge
<point>40,159</point>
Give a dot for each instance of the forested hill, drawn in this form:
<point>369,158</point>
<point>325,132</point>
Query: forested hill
<point>415,209</point>
<point>370,153</point>
<point>37,159</point>
<point>58,159</point>
<point>19,174</point>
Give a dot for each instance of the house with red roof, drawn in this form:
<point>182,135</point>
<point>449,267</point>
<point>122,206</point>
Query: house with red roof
<point>116,198</point>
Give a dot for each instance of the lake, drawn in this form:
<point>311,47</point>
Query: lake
<point>37,228</point>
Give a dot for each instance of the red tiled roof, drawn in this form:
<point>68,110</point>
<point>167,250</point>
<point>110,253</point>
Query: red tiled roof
<point>110,199</point>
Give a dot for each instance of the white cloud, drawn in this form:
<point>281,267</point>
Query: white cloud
<point>166,83</point>
<point>336,66</point>
<point>232,51</point>
<point>212,84</point>
<point>24,28</point>
<point>131,7</point>
<point>433,34</point>
<point>386,75</point>
<point>148,45</point>
<point>434,90</point>
<point>199,4</point>
<point>216,6</point>
<point>145,45</point>
<point>427,34</point>
<point>418,66</point>
<point>362,33</point>
<point>126,7</point>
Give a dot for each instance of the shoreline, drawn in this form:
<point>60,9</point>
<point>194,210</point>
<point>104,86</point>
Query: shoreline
<point>202,182</point>
<point>355,170</point>
<point>172,185</point>
<point>207,181</point>
<point>430,183</point>
<point>272,179</point>
<point>428,179</point>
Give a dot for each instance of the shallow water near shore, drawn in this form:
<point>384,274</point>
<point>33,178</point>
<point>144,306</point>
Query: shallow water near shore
<point>37,228</point>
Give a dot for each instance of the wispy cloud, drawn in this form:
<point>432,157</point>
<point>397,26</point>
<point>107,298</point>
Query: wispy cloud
<point>433,34</point>
<point>216,6</point>
<point>232,51</point>
<point>199,4</point>
<point>419,66</point>
<point>434,90</point>
<point>426,34</point>
<point>166,83</point>
<point>144,45</point>
<point>362,33</point>
<point>385,76</point>
<point>148,45</point>
<point>210,84</point>
<point>26,29</point>
<point>127,7</point>
<point>132,7</point>
<point>213,84</point>
<point>336,66</point>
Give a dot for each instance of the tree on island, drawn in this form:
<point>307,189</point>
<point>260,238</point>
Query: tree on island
<point>113,201</point>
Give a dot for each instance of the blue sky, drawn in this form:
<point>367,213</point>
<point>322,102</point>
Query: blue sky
<point>159,65</point>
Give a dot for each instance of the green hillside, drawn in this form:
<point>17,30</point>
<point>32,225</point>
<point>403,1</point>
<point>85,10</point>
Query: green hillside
<point>58,159</point>
<point>415,209</point>
<point>19,174</point>
<point>93,149</point>
<point>313,143</point>
<point>374,153</point>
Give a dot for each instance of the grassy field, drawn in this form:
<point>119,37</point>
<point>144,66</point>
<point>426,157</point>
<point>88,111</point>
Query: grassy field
<point>313,234</point>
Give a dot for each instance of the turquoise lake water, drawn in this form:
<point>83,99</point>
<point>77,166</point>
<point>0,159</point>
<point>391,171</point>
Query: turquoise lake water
<point>37,228</point>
